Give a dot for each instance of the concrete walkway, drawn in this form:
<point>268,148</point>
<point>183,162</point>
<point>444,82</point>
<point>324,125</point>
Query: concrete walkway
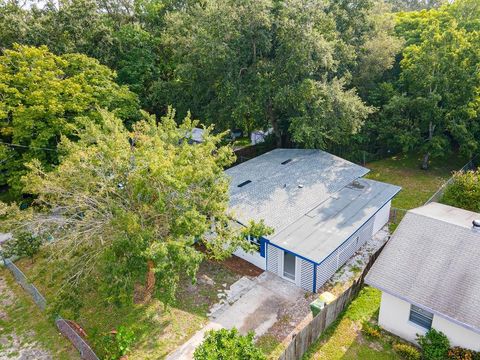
<point>256,308</point>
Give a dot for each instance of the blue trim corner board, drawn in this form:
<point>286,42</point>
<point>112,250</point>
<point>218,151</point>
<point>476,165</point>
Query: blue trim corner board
<point>263,242</point>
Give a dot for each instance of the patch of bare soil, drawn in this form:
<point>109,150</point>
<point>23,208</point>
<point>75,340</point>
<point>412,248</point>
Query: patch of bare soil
<point>241,267</point>
<point>292,318</point>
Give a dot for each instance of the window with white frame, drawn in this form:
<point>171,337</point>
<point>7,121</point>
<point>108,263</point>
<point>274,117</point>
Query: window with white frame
<point>421,317</point>
<point>254,241</point>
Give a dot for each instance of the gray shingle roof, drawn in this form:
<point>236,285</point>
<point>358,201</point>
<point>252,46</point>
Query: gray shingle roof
<point>311,201</point>
<point>432,260</point>
<point>281,194</point>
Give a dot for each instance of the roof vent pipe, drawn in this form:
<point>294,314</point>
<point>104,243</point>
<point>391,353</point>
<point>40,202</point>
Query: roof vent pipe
<point>476,225</point>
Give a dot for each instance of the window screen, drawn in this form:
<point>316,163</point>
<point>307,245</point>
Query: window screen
<point>421,317</point>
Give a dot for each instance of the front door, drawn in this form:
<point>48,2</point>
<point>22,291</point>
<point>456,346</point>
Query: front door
<point>289,266</point>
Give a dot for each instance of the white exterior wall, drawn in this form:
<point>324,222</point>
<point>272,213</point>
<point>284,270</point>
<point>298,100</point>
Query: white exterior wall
<point>303,268</point>
<point>274,257</point>
<point>458,335</point>
<point>394,315</point>
<point>381,217</point>
<point>253,258</point>
<point>335,260</point>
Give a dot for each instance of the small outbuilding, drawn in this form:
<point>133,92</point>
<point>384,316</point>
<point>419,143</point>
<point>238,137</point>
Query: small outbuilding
<point>321,209</point>
<point>429,275</point>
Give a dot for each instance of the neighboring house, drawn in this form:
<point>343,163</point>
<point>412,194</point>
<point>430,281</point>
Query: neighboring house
<point>320,208</point>
<point>196,136</point>
<point>259,136</point>
<point>429,276</point>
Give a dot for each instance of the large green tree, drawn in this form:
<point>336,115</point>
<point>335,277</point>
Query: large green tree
<point>266,63</point>
<point>436,108</point>
<point>126,207</point>
<point>44,97</point>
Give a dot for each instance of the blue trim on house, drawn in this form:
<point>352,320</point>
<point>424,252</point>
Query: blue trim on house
<point>263,242</point>
<point>266,255</point>
<point>291,252</point>
<point>314,278</point>
<point>349,236</point>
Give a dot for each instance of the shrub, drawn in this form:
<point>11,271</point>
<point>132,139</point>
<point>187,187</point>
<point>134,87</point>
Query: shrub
<point>117,343</point>
<point>228,344</point>
<point>434,344</point>
<point>371,331</point>
<point>407,352</point>
<point>458,353</point>
<point>464,191</point>
<point>23,244</point>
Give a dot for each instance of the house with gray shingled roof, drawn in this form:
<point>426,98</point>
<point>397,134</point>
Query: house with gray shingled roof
<point>429,275</point>
<point>321,208</point>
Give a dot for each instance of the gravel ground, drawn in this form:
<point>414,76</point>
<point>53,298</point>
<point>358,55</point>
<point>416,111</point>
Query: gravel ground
<point>12,345</point>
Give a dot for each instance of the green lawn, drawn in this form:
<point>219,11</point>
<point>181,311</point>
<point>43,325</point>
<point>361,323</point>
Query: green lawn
<point>158,330</point>
<point>417,185</point>
<point>344,339</point>
<point>24,320</point>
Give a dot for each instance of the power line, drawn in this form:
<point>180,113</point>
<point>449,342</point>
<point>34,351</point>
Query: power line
<point>28,147</point>
<point>8,158</point>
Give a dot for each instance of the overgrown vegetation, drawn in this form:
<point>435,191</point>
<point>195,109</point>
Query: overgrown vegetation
<point>434,344</point>
<point>228,344</point>
<point>157,329</point>
<point>344,339</point>
<point>464,191</point>
<point>122,193</point>
<point>407,352</point>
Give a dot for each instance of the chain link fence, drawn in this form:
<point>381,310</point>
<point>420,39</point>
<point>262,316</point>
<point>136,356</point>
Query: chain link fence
<point>28,287</point>
<point>63,325</point>
<point>471,165</point>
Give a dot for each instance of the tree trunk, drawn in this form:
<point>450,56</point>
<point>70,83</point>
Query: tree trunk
<point>274,122</point>
<point>150,282</point>
<point>426,158</point>
<point>425,161</point>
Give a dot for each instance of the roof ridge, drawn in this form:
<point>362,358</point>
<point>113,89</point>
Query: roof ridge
<point>411,211</point>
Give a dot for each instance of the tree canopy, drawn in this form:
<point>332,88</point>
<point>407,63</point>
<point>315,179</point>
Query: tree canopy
<point>435,106</point>
<point>43,97</point>
<point>126,207</point>
<point>286,65</point>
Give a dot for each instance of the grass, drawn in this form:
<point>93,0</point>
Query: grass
<point>417,185</point>
<point>23,317</point>
<point>270,346</point>
<point>158,330</point>
<point>344,340</point>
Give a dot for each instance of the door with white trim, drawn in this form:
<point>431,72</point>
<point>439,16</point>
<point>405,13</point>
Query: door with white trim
<point>289,266</point>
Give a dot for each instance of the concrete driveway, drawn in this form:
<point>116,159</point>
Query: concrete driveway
<point>255,306</point>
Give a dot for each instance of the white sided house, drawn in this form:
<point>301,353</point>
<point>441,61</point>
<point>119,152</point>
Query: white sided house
<point>321,209</point>
<point>429,276</point>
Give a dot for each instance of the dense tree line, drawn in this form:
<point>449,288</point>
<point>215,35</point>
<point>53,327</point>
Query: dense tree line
<point>87,130</point>
<point>320,73</point>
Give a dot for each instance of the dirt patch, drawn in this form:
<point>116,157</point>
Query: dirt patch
<point>241,267</point>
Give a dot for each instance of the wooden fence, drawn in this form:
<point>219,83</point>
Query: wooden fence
<point>302,341</point>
